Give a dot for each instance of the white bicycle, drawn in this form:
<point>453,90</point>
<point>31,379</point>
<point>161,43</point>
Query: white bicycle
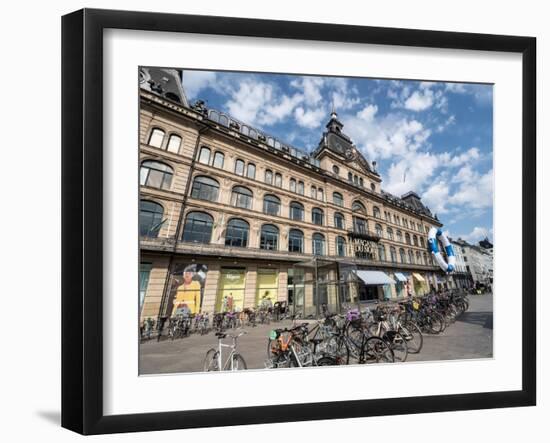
<point>234,362</point>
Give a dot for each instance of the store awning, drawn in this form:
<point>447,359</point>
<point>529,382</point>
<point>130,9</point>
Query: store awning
<point>400,276</point>
<point>418,277</point>
<point>375,278</point>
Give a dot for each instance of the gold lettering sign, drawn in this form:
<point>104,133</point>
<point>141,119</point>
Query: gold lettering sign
<point>358,245</point>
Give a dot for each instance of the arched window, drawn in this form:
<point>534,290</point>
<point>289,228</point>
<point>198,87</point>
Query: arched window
<point>314,192</point>
<point>422,242</point>
<point>278,180</point>
<point>239,167</point>
<point>292,185</point>
<point>376,212</point>
<point>150,218</point>
<point>425,256</point>
<point>174,143</point>
<point>269,238</point>
<point>405,223</point>
<point>236,233</point>
<point>389,231</point>
<point>272,205</point>
<point>411,256</point>
<point>402,255</point>
<point>300,188</point>
<point>156,138</point>
<point>396,219</point>
<point>320,194</point>
<point>155,174</point>
<point>355,180</point>
<point>295,241</point>
<point>198,227</point>
<point>393,254</point>
<point>339,221</point>
<point>358,207</point>
<point>219,158</point>
<point>338,199</point>
<point>317,216</point>
<point>415,240</point>
<point>361,181</point>
<point>378,229</point>
<point>224,120</point>
<point>318,241</point>
<point>268,178</point>
<point>241,197</point>
<point>205,188</point>
<point>360,225</point>
<point>399,235</point>
<point>296,211</point>
<point>204,155</point>
<point>214,116</point>
<point>340,246</point>
<point>418,259</point>
<point>251,171</point>
<point>381,253</point>
<point>350,177</point>
<point>407,238</point>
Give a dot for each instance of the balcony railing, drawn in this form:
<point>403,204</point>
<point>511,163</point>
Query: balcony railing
<point>220,250</point>
<point>364,234</point>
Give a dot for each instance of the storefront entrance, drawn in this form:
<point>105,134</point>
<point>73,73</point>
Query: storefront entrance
<point>231,290</point>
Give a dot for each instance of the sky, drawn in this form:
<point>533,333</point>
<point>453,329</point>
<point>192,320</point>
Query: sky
<point>434,138</point>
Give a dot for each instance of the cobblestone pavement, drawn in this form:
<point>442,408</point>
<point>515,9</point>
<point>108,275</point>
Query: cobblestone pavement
<point>471,336</point>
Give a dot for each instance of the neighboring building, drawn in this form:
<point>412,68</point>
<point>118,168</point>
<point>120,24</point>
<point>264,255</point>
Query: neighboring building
<point>461,278</point>
<point>231,216</point>
<point>478,262</point>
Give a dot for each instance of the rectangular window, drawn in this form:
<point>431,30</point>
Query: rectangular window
<point>267,287</point>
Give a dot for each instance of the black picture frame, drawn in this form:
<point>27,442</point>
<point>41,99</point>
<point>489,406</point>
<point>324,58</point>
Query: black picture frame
<point>82,218</point>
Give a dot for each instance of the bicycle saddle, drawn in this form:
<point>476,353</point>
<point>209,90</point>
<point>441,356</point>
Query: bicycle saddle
<point>221,334</point>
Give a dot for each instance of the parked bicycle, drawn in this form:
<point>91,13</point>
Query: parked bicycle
<point>214,361</point>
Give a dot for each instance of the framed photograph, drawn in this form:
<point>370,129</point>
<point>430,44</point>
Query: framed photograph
<point>271,221</point>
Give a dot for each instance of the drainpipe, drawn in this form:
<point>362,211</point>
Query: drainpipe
<point>166,291</point>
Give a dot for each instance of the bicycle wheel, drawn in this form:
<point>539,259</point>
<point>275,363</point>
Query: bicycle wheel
<point>376,350</point>
<point>237,363</point>
<point>413,335</point>
<point>398,345</point>
<point>327,361</point>
<point>337,348</point>
<point>211,361</point>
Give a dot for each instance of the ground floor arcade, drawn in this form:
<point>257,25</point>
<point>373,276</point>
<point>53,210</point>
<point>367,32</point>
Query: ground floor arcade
<point>217,284</point>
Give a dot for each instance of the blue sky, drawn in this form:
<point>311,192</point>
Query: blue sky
<point>435,138</point>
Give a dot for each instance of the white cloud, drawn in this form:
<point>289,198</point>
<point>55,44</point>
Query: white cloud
<point>477,234</point>
<point>196,81</point>
<point>368,113</point>
<point>309,118</point>
<point>259,103</point>
<point>476,192</point>
<point>310,88</point>
<point>436,197</point>
<point>419,100</point>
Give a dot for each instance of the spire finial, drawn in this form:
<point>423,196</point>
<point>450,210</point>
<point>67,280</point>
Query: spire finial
<point>333,113</point>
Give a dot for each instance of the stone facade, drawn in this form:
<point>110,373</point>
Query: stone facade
<point>339,193</point>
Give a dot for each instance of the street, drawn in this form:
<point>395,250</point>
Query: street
<point>471,336</point>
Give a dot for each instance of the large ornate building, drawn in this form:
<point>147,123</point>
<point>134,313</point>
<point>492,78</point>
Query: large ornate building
<point>230,215</point>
